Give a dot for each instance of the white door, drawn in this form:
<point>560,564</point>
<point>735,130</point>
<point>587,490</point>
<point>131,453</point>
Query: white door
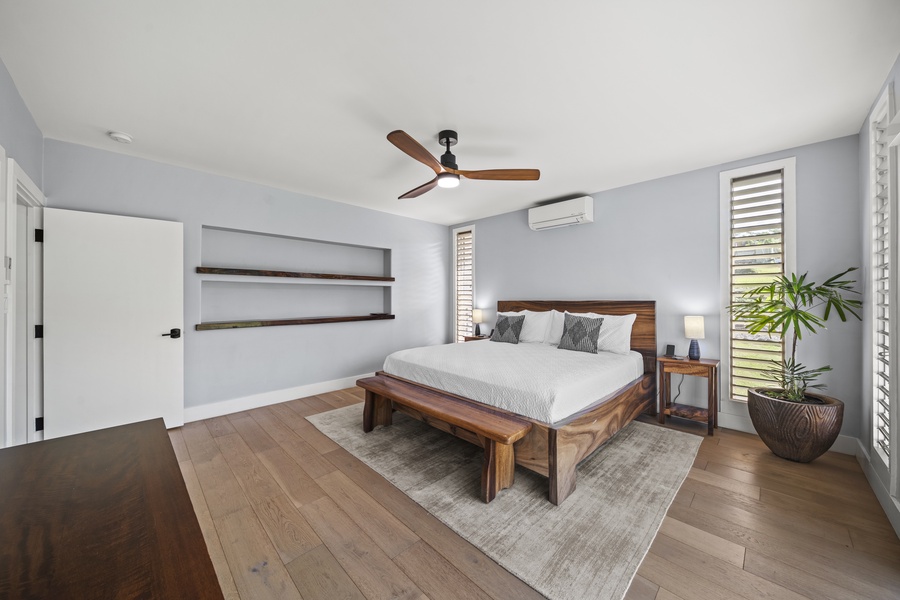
<point>113,287</point>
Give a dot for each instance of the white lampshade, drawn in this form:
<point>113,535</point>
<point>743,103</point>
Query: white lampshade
<point>477,316</point>
<point>693,328</point>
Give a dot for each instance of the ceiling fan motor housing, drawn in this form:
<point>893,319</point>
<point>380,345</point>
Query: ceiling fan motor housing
<point>448,138</point>
<point>449,160</point>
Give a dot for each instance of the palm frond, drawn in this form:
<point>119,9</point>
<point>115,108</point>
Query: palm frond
<point>788,305</point>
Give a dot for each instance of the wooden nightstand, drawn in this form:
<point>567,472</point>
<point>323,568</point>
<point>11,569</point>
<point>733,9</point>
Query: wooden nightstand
<point>472,338</point>
<point>704,367</point>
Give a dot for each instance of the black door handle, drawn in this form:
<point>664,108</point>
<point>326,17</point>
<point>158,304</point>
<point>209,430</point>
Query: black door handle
<point>174,333</point>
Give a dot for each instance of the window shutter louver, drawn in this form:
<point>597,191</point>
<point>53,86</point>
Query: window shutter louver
<point>757,257</point>
<point>464,284</point>
<point>881,278</point>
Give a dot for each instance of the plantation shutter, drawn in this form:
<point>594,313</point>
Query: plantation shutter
<point>757,257</point>
<point>464,282</point>
<point>881,278</point>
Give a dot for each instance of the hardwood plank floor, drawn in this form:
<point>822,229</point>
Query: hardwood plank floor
<point>287,513</point>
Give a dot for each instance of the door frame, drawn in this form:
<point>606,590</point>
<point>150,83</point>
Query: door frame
<point>5,403</point>
<point>21,190</point>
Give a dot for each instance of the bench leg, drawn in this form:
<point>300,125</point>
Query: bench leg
<point>499,469</point>
<point>378,410</point>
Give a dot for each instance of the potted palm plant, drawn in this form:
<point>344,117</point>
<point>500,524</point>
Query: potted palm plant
<point>792,421</point>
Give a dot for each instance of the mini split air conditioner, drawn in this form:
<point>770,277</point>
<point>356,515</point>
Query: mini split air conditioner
<point>561,214</point>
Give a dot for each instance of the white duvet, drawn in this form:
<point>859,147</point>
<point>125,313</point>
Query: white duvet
<point>538,381</point>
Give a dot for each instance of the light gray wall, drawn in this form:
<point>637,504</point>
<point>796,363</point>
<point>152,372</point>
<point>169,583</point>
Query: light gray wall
<point>659,240</point>
<point>865,208</point>
<point>221,365</point>
<point>19,135</point>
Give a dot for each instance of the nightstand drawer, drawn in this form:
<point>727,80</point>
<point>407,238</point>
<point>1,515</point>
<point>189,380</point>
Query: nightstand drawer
<point>687,368</point>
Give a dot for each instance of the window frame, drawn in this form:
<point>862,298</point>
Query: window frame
<point>788,166</point>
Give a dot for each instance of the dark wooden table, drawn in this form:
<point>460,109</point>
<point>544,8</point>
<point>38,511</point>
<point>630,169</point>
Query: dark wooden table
<point>103,514</point>
<point>703,367</point>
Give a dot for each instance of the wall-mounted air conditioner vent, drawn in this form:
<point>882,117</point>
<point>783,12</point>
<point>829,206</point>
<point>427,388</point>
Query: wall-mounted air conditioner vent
<point>562,214</point>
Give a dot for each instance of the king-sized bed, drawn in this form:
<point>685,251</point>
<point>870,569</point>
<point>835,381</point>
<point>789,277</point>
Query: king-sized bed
<point>554,391</point>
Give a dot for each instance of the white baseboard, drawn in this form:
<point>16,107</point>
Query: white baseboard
<point>738,422</point>
<point>888,503</point>
<point>844,444</point>
<point>233,405</point>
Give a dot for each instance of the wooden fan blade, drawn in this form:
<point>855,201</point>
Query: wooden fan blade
<point>501,174</point>
<point>413,148</point>
<point>419,190</point>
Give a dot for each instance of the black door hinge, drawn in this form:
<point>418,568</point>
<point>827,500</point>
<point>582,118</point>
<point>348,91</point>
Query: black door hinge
<point>38,331</point>
<point>39,424</point>
<point>39,235</point>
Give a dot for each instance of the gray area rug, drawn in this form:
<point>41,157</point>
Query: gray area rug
<point>590,547</point>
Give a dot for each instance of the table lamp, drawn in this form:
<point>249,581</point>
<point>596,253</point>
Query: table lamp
<point>477,318</point>
<point>693,330</point>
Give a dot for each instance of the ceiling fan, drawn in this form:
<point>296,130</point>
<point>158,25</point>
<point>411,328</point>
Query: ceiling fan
<point>446,172</point>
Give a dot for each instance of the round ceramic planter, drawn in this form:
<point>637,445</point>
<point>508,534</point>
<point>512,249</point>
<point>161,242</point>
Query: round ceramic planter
<point>793,430</point>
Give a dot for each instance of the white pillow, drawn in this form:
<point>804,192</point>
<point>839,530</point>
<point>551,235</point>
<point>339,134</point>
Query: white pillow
<point>615,334</point>
<point>557,325</point>
<point>537,323</point>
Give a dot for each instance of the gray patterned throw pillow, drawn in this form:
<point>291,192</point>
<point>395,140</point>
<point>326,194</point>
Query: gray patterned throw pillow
<point>508,329</point>
<point>580,333</point>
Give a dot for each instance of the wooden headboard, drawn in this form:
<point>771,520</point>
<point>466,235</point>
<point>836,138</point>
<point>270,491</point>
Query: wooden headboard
<point>643,334</point>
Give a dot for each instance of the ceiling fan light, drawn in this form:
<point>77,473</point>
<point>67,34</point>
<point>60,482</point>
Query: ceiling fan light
<point>448,180</point>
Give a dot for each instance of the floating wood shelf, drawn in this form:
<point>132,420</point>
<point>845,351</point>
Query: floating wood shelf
<point>291,274</point>
<point>277,322</point>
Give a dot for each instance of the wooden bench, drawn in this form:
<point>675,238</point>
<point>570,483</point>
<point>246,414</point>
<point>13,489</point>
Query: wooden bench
<point>493,430</point>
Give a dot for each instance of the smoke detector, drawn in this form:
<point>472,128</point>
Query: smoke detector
<point>118,136</point>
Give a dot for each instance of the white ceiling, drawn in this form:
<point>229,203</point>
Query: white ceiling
<point>596,93</point>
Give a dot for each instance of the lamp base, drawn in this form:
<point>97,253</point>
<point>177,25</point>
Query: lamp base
<point>694,350</point>
<point>477,328</point>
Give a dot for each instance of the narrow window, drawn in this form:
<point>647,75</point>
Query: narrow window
<point>756,230</point>
<point>463,282</point>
